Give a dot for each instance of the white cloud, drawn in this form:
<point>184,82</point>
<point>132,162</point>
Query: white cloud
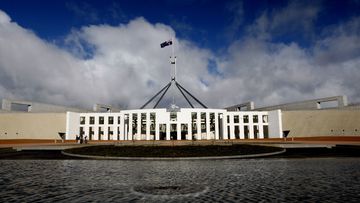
<point>272,73</point>
<point>126,66</point>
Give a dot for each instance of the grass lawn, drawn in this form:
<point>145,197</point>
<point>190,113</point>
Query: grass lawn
<point>172,151</point>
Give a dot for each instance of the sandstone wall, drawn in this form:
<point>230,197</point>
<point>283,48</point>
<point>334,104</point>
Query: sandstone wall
<point>32,125</point>
<point>321,123</point>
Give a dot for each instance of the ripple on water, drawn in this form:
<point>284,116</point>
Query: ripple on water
<point>169,190</point>
<point>257,180</point>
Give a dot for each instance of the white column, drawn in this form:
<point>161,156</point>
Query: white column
<point>167,131</point>
<point>106,128</point>
<point>198,125</point>
<point>216,126</point>
<point>225,133</point>
<point>126,132</point>
<point>96,128</point>
<point>115,132</point>
<point>251,127</point>
<point>242,135</point>
<point>178,131</point>
<point>207,124</point>
<point>261,128</point>
<point>157,135</point>
<point>139,126</point>
<point>106,131</point>
<point>148,126</point>
<point>231,123</point>
<point>189,133</point>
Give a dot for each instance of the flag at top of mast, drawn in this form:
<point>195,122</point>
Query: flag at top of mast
<point>166,43</point>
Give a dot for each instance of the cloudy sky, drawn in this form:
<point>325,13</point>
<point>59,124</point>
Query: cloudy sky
<point>78,53</point>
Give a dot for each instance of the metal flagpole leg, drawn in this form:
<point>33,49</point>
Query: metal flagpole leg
<point>192,96</point>
<point>162,95</point>
<point>155,96</point>
<point>184,95</point>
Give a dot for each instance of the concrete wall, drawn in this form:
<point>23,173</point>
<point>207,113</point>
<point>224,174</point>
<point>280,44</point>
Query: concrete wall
<point>315,104</point>
<point>36,107</point>
<point>248,106</point>
<point>321,123</point>
<point>32,125</point>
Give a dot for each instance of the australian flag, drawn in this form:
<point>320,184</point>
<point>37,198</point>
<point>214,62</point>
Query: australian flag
<point>166,43</point>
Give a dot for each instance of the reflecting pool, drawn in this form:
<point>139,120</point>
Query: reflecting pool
<point>250,180</point>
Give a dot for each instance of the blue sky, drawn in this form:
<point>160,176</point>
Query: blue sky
<point>208,23</point>
<point>304,49</point>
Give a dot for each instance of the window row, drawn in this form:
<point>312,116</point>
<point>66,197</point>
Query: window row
<point>245,118</point>
<point>101,121</point>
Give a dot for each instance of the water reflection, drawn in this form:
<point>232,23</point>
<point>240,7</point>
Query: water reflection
<point>310,180</point>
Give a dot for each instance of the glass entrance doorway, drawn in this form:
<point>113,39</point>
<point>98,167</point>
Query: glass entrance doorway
<point>173,132</point>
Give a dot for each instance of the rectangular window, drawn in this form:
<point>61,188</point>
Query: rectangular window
<point>119,120</point>
<point>220,125</point>
<point>111,120</point>
<point>173,131</point>
<point>162,131</point>
<point>101,133</point>
<point>203,122</point>
<point>193,124</point>
<point>246,132</point>
<point>236,119</point>
<point>91,133</point>
<point>246,119</point>
<point>228,119</point>
<point>92,120</point>
<point>101,120</point>
<point>126,127</point>
<point>184,131</point>
<point>266,131</point>
<point>110,133</point>
<point>237,132</point>
<point>255,119</point>
<point>82,132</point>
<point>134,124</point>
<point>212,122</point>
<point>265,118</point>
<point>143,123</point>
<point>82,120</point>
<point>228,132</point>
<point>152,125</point>
<point>256,132</point>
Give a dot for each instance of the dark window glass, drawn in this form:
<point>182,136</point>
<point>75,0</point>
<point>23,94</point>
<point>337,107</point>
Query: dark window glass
<point>101,120</point>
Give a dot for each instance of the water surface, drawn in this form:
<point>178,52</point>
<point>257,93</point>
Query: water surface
<point>250,180</point>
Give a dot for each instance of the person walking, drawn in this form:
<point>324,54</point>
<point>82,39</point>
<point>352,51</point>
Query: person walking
<point>77,139</point>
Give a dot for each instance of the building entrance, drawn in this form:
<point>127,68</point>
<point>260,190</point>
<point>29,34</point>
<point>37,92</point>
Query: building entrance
<point>173,131</point>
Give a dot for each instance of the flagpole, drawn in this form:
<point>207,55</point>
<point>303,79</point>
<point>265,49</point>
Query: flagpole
<point>174,71</point>
<point>173,107</point>
<point>174,57</point>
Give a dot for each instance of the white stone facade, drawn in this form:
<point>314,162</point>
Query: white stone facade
<point>187,124</point>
